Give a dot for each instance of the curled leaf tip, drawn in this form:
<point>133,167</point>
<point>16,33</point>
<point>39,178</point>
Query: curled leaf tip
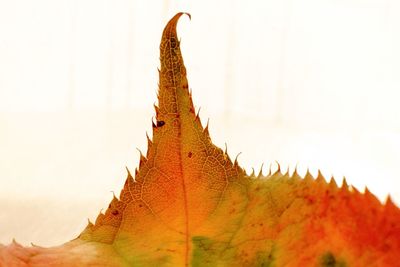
<point>260,173</point>
<point>236,158</point>
<point>252,172</point>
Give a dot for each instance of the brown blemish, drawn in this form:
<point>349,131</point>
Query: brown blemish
<point>160,123</point>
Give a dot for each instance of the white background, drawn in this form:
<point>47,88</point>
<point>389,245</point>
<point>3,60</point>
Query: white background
<point>309,83</point>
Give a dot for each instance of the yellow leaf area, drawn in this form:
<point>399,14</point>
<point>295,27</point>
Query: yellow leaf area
<point>190,205</point>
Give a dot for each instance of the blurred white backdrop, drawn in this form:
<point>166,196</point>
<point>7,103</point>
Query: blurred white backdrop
<point>312,83</point>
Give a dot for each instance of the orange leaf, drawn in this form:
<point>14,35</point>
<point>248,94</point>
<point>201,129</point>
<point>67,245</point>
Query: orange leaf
<point>189,204</point>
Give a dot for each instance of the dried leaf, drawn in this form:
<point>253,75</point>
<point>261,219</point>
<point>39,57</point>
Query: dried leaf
<point>189,204</point>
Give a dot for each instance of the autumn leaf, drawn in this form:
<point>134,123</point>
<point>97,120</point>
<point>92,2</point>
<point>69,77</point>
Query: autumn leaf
<point>188,204</point>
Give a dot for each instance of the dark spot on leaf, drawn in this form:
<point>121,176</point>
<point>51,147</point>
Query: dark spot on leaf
<point>190,154</point>
<point>160,123</point>
<point>115,212</point>
<point>173,43</point>
<point>265,259</point>
<point>140,205</point>
<point>329,260</point>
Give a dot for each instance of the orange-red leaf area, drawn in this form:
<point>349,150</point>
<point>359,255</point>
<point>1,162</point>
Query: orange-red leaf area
<point>189,204</point>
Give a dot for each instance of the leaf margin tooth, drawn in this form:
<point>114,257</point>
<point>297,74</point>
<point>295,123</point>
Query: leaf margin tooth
<point>260,173</point>
<point>308,176</point>
<point>345,185</point>
<point>320,178</point>
<point>332,183</point>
